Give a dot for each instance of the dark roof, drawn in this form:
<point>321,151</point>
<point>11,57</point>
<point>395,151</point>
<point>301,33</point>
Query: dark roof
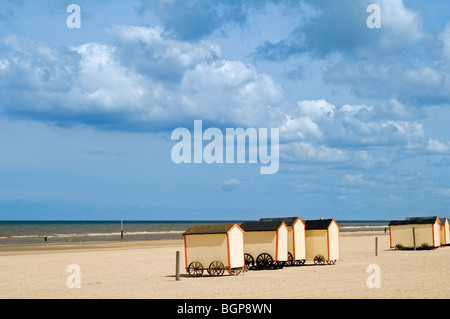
<point>414,221</point>
<point>209,229</point>
<point>261,226</point>
<point>289,221</point>
<point>317,224</point>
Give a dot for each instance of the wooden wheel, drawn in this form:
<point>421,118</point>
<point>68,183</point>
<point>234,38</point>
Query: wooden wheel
<point>278,264</point>
<point>299,262</point>
<point>331,262</point>
<point>195,269</point>
<point>216,268</point>
<point>290,261</point>
<point>235,271</point>
<point>264,261</point>
<point>319,260</point>
<point>249,261</point>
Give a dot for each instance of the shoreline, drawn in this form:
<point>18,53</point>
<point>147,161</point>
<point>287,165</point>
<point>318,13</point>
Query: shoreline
<point>23,249</point>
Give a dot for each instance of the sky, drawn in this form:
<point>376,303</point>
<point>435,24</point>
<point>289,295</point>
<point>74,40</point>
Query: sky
<point>87,113</point>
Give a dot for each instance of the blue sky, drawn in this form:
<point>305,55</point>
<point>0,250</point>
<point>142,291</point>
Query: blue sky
<point>86,114</point>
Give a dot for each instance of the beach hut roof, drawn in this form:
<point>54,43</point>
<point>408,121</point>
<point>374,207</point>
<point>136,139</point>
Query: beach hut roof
<point>318,224</point>
<point>209,229</point>
<point>289,221</point>
<point>258,226</point>
<point>414,221</point>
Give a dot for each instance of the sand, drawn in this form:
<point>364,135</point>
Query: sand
<point>141,270</point>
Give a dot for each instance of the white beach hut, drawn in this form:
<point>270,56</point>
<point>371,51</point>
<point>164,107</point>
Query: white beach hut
<point>445,231</point>
<point>415,232</point>
<point>214,248</point>
<point>265,244</point>
<point>322,241</point>
<point>296,239</point>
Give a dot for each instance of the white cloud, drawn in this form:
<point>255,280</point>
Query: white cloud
<point>435,146</point>
<point>316,109</point>
<point>302,151</point>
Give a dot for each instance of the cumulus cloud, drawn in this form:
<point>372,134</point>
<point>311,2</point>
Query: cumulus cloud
<point>143,81</point>
<point>435,146</point>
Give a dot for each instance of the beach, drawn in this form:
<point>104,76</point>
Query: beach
<point>146,270</point>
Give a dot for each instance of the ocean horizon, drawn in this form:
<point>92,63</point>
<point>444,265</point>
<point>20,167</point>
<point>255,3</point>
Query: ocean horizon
<point>14,232</point>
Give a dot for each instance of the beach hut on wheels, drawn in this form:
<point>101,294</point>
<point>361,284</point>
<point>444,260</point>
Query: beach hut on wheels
<point>322,241</point>
<point>415,232</point>
<point>265,244</point>
<point>215,248</point>
<point>445,231</point>
<point>296,239</point>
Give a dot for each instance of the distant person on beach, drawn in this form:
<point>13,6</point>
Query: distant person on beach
<point>45,241</point>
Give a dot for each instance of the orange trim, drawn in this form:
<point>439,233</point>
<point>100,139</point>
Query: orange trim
<point>390,237</point>
<point>185,253</point>
<point>432,229</point>
<point>328,242</point>
<point>228,244</point>
<point>276,246</point>
<point>293,239</point>
<point>228,249</point>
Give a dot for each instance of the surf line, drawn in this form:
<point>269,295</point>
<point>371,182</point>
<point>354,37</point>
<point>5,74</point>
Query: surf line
<point>235,139</point>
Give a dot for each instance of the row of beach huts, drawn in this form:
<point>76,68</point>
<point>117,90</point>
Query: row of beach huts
<point>419,233</point>
<point>269,243</point>
<point>272,243</point>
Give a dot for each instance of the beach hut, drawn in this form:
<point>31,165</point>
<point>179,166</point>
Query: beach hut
<point>415,232</point>
<point>445,231</point>
<point>214,248</point>
<point>322,241</point>
<point>265,244</point>
<point>296,239</point>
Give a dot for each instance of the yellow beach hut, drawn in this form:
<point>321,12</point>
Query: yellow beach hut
<point>296,239</point>
<point>445,231</point>
<point>415,232</point>
<point>265,244</point>
<point>322,241</point>
<point>214,248</point>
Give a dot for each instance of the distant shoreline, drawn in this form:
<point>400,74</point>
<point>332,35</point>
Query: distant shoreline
<point>22,249</point>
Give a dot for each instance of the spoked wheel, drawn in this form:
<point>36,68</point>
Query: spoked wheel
<point>216,268</point>
<point>331,262</point>
<point>319,260</point>
<point>290,261</point>
<point>278,264</point>
<point>300,262</point>
<point>235,271</point>
<point>195,269</point>
<point>249,261</point>
<point>264,261</point>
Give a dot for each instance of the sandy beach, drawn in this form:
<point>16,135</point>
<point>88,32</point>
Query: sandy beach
<point>147,270</point>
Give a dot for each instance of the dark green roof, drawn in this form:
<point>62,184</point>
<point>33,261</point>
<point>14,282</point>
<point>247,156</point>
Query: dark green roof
<point>289,221</point>
<point>261,226</point>
<point>209,229</point>
<point>317,224</point>
<point>414,221</point>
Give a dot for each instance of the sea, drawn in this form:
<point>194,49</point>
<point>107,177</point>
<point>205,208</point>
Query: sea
<point>35,232</point>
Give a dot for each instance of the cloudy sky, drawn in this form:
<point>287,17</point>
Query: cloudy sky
<point>86,114</point>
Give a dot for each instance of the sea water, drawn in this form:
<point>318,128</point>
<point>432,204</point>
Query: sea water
<point>32,232</point>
